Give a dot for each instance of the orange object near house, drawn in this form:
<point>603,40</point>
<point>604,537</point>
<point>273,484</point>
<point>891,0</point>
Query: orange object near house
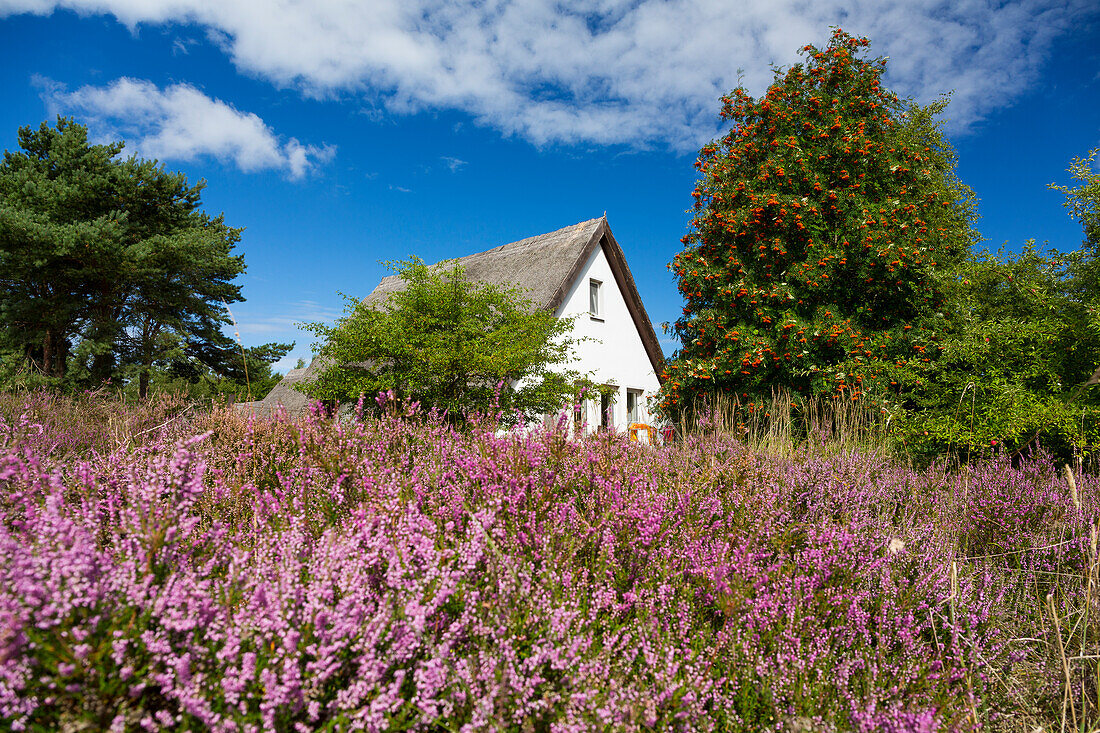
<point>637,427</point>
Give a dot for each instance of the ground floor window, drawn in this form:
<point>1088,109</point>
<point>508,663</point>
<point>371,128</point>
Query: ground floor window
<point>633,405</point>
<point>607,404</point>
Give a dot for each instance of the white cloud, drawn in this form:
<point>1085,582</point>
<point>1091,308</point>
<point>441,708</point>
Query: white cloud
<point>606,71</point>
<point>182,46</point>
<point>250,324</point>
<point>179,122</point>
<point>453,164</point>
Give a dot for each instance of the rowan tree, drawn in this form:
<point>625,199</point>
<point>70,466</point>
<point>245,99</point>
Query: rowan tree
<point>825,225</point>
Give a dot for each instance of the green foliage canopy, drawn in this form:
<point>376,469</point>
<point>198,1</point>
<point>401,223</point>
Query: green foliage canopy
<point>1083,201</point>
<point>451,344</point>
<point>1009,364</point>
<point>824,224</point>
<point>1022,349</point>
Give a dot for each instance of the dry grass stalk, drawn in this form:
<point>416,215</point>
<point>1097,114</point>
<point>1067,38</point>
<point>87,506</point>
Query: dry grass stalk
<point>244,359</point>
<point>786,426</point>
<point>1072,481</point>
<point>1065,666</point>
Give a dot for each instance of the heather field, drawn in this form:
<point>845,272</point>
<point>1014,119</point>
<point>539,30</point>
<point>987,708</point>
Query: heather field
<point>163,567</point>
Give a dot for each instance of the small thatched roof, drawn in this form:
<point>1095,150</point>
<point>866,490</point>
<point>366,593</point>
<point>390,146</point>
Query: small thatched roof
<point>543,267</point>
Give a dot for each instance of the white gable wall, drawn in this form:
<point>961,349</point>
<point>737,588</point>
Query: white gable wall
<point>615,355</point>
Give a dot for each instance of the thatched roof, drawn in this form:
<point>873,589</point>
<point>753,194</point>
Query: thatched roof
<point>538,266</point>
<point>284,393</point>
<point>543,267</point>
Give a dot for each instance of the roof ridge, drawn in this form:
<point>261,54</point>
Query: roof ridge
<point>517,244</point>
<point>531,240</point>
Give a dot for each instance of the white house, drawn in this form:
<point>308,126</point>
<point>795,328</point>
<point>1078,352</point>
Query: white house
<point>577,270</point>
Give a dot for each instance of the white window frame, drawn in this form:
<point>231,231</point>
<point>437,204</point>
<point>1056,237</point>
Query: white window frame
<point>595,288</point>
<point>635,415</point>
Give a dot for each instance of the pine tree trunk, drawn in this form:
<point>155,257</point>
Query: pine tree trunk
<point>47,353</point>
<point>143,381</point>
<point>102,366</point>
<point>55,354</point>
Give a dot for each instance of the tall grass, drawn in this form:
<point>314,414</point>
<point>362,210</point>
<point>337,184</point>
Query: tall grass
<point>787,425</point>
<point>205,571</point>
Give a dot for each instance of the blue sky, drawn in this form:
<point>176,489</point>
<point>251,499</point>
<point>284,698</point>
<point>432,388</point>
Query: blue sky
<point>342,134</point>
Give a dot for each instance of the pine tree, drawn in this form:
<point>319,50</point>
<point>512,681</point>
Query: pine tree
<point>824,223</point>
<point>59,225</point>
<point>108,267</point>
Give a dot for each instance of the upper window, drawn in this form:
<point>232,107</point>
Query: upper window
<point>595,299</point>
